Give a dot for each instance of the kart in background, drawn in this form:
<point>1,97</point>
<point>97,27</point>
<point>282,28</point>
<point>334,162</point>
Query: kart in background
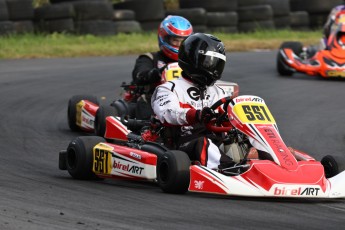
<point>328,63</point>
<point>84,112</point>
<point>244,122</point>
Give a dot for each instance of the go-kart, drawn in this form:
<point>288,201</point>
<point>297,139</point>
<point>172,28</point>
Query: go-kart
<point>328,63</point>
<point>85,113</point>
<point>244,122</point>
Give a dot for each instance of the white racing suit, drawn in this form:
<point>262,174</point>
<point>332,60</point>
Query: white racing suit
<point>172,100</point>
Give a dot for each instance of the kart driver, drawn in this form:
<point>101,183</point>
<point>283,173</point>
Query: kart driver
<point>149,66</point>
<point>334,18</point>
<point>184,103</point>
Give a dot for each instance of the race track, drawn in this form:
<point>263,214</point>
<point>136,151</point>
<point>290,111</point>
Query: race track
<point>35,194</point>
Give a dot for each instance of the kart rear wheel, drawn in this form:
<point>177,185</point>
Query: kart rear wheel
<point>333,165</point>
<point>72,109</point>
<point>297,47</point>
<point>102,113</point>
<point>173,172</point>
<point>79,159</point>
<point>282,68</point>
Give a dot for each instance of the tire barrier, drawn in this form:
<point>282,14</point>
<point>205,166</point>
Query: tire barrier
<point>299,20</point>
<point>318,10</point>
<point>16,16</point>
<point>196,16</point>
<point>211,6</point>
<point>148,12</point>
<point>101,17</point>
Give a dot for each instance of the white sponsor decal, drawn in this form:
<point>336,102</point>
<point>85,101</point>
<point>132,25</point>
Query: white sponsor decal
<point>215,54</point>
<point>199,184</point>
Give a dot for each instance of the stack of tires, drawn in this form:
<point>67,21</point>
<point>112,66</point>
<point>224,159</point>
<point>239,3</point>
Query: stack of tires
<point>89,16</point>
<point>255,15</point>
<point>125,22</point>
<point>16,16</point>
<point>96,17</point>
<point>216,15</point>
<point>55,18</point>
<point>299,20</point>
<point>196,16</point>
<point>318,10</point>
<point>149,13</point>
<point>6,26</point>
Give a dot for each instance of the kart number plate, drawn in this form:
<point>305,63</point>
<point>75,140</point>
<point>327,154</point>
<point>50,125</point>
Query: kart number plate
<point>101,161</point>
<point>254,113</point>
<point>172,74</point>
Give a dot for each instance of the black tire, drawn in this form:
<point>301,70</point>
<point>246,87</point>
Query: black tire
<point>20,10</point>
<point>196,16</point>
<point>222,29</point>
<point>333,165</point>
<point>296,47</point>
<point>317,20</point>
<point>57,25</point>
<point>299,19</point>
<point>256,25</point>
<point>72,111</point>
<point>127,27</point>
<point>255,13</point>
<point>80,157</point>
<point>92,10</point>
<point>6,28</point>
<point>211,6</point>
<point>123,15</point>
<point>280,7</point>
<point>150,25</point>
<point>222,19</point>
<point>282,22</point>
<point>314,6</point>
<point>282,67</point>
<point>173,172</point>
<point>60,11</point>
<point>3,11</point>
<point>95,27</point>
<point>22,27</point>
<point>102,113</point>
<point>148,10</point>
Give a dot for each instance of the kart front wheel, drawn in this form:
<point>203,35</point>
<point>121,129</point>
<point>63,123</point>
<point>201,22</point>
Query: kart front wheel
<point>102,113</point>
<point>173,172</point>
<point>282,68</point>
<point>79,158</point>
<point>72,109</point>
<point>333,165</point>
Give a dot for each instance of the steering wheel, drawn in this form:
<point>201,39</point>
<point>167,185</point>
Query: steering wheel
<point>212,124</point>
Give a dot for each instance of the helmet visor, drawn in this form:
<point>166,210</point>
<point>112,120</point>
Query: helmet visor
<point>174,41</point>
<point>213,62</point>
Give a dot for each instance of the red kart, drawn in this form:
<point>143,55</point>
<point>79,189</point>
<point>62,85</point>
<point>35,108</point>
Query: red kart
<point>328,63</point>
<point>245,123</point>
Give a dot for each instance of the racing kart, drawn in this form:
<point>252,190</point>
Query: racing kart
<point>328,63</point>
<point>244,122</point>
<point>84,112</point>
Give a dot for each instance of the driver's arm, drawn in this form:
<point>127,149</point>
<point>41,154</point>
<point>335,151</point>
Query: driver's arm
<point>144,71</point>
<point>167,107</point>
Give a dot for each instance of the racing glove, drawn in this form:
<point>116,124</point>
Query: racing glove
<point>148,77</point>
<point>154,76</point>
<point>200,116</point>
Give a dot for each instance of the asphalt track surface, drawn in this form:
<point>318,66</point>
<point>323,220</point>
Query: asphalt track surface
<point>35,194</point>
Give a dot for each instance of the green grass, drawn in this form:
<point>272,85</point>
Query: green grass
<point>65,45</point>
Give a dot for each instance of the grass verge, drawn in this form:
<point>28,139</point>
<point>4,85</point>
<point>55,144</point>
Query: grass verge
<point>66,45</point>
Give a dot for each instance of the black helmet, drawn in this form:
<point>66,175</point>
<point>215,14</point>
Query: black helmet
<point>202,58</point>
